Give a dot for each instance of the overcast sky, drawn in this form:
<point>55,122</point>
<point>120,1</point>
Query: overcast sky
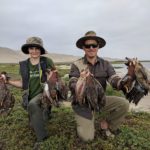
<point>124,24</point>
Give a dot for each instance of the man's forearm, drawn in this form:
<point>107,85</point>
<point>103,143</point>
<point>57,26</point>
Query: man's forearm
<point>114,80</point>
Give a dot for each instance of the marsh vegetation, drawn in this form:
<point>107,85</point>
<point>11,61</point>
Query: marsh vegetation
<point>15,133</point>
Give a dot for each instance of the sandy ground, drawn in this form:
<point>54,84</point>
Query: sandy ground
<point>143,105</point>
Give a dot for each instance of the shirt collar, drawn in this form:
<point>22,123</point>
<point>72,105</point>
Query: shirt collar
<point>86,61</point>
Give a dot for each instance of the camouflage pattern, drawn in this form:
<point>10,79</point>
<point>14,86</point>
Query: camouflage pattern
<point>7,100</point>
<point>33,41</point>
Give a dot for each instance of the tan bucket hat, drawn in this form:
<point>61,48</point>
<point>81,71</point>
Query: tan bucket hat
<point>31,42</point>
<point>90,35</point>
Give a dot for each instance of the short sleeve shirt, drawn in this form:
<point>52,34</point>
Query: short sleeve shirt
<point>35,86</point>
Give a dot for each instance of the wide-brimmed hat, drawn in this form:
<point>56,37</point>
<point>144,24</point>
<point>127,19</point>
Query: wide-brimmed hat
<point>90,35</point>
<point>33,42</point>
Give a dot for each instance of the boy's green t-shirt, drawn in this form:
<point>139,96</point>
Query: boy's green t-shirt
<point>35,86</point>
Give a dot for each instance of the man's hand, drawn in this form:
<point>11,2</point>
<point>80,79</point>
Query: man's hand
<point>52,75</point>
<point>126,83</point>
<point>131,67</point>
<point>85,73</point>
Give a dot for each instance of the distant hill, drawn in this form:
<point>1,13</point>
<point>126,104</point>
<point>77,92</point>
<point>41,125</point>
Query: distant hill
<point>8,55</point>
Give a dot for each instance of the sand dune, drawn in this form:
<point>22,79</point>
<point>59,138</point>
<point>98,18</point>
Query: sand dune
<point>9,56</point>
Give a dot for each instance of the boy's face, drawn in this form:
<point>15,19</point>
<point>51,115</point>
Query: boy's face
<point>34,52</point>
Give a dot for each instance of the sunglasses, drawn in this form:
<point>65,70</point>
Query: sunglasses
<point>90,45</point>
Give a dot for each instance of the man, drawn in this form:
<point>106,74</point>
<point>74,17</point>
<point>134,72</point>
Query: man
<point>33,76</point>
<point>115,107</point>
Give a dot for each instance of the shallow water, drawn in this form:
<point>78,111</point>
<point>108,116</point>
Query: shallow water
<point>122,65</point>
<point>146,64</point>
<point>121,69</point>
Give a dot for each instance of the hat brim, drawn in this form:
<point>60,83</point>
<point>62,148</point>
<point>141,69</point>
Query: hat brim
<point>25,47</point>
<point>80,43</point>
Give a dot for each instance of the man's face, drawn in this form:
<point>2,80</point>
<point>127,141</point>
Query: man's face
<point>34,52</point>
<point>91,48</point>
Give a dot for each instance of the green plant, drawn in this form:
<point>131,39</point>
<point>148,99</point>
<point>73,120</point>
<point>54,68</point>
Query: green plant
<point>15,133</point>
